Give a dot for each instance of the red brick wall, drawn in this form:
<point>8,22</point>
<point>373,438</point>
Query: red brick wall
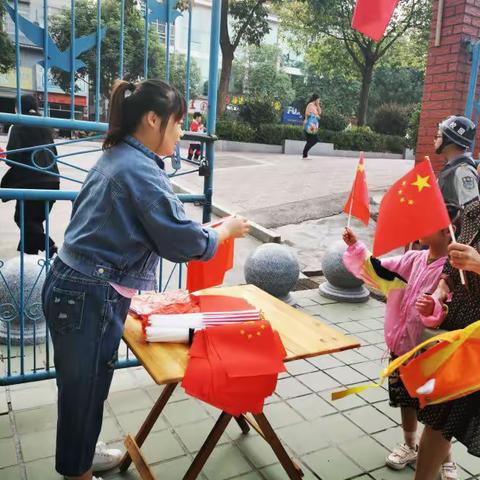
<point>448,70</point>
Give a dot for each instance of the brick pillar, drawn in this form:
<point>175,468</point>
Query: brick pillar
<point>448,70</point>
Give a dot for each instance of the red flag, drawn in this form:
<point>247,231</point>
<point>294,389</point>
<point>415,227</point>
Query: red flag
<point>210,274</point>
<point>371,17</point>
<point>357,204</point>
<point>411,209</point>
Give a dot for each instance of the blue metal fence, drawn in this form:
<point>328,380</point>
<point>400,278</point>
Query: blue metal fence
<point>24,362</point>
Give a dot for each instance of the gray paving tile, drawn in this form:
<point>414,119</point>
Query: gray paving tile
<point>257,450</point>
<point>8,455</point>
<point>331,464</point>
<point>465,460</point>
<point>369,419</point>
<point>346,403</point>
<point>300,366</point>
<point>276,472</point>
<point>172,469</point>
<point>370,369</point>
<point>318,381</point>
<point>281,414</point>
<point>5,426</point>
<point>186,411</point>
<point>193,435</point>
<point>161,446</point>
<point>372,337</point>
<point>349,357</point>
<point>42,469</point>
<point>389,438</point>
<point>304,437</point>
<point>311,406</point>
<point>226,461</point>
<point>386,473</point>
<point>11,473</point>
<point>325,361</point>
<point>129,401</point>
<point>291,387</point>
<point>365,452</point>
<point>131,422</point>
<point>391,412</point>
<point>338,429</point>
<point>36,419</point>
<point>373,352</point>
<point>373,395</point>
<point>346,375</point>
<point>354,327</point>
<point>38,445</point>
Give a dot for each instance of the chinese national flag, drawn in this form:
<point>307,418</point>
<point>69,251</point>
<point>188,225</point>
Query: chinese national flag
<point>207,274</point>
<point>357,204</point>
<point>371,17</point>
<point>411,209</point>
<point>235,367</point>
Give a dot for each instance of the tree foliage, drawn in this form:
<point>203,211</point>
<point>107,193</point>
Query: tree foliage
<point>7,52</point>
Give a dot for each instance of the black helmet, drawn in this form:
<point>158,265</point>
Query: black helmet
<point>458,130</point>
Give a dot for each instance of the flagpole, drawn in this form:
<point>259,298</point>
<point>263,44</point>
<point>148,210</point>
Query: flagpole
<point>452,234</point>
<point>350,212</point>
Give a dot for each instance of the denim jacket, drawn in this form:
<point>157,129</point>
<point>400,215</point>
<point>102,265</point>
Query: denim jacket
<point>126,216</point>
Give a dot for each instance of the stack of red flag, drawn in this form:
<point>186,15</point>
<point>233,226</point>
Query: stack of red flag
<point>235,367</point>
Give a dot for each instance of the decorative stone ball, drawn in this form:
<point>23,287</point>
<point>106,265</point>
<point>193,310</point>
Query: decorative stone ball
<point>273,268</point>
<point>341,285</point>
<point>34,320</point>
<point>334,269</point>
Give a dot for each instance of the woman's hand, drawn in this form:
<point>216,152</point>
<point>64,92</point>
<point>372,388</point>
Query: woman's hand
<point>464,257</point>
<point>425,305</point>
<point>349,237</point>
<point>234,227</point>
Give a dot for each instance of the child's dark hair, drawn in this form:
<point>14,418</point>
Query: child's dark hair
<point>197,115</point>
<point>129,102</point>
<point>29,105</point>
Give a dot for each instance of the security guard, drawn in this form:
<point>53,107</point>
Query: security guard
<point>458,179</point>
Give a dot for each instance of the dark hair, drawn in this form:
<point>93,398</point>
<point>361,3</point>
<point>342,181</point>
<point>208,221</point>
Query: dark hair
<point>314,97</point>
<point>197,114</point>
<point>129,102</point>
<point>29,105</point>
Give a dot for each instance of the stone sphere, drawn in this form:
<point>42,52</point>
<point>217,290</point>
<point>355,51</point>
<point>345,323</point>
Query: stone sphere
<point>341,285</point>
<point>274,268</point>
<point>334,270</point>
<point>34,276</point>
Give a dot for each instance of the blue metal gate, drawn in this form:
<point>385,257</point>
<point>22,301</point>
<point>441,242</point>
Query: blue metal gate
<point>22,362</point>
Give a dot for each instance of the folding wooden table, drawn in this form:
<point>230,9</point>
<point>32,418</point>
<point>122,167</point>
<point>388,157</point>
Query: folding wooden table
<point>302,335</point>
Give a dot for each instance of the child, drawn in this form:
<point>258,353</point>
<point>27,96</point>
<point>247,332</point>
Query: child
<point>403,279</point>
<point>195,149</point>
<point>457,418</point>
<point>125,218</point>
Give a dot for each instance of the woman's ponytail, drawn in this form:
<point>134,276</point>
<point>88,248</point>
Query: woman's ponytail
<point>117,120</point>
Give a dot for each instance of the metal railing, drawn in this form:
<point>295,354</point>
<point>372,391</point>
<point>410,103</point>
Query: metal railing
<point>29,361</point>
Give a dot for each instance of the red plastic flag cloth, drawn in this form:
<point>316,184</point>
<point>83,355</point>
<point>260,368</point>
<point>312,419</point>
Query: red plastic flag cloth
<point>202,275</point>
<point>357,204</point>
<point>371,17</point>
<point>235,367</point>
<point>411,209</point>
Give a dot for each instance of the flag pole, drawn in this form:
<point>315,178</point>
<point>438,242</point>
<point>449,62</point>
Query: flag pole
<point>350,212</point>
<point>452,234</point>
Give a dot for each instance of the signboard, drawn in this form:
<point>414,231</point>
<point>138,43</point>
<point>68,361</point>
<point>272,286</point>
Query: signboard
<point>82,86</point>
<point>292,116</point>
<point>198,105</point>
<point>9,79</point>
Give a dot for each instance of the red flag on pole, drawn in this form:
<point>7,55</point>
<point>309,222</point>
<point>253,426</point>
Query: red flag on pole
<point>357,204</point>
<point>411,209</point>
<point>371,17</point>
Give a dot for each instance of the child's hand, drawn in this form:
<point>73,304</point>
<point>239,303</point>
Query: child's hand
<point>425,305</point>
<point>236,227</point>
<point>349,236</point>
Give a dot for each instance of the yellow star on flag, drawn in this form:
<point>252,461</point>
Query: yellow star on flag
<point>421,182</point>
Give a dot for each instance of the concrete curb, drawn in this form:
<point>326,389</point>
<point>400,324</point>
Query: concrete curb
<point>257,231</point>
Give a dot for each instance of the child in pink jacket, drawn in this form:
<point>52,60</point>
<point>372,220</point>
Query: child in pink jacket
<point>403,279</point>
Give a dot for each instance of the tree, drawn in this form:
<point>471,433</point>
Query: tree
<point>249,25</point>
<point>7,52</point>
<point>257,75</point>
<point>134,48</point>
<point>324,26</point>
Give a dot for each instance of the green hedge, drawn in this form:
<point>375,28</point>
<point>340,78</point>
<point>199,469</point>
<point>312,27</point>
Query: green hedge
<point>357,138</point>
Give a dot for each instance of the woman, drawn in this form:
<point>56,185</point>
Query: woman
<point>44,161</point>
<point>124,219</point>
<point>310,123</point>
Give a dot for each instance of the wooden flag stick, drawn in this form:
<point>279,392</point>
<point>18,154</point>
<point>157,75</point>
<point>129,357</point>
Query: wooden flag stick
<point>350,212</point>
<point>452,234</point>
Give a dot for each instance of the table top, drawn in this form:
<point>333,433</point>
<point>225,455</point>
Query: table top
<point>303,336</point>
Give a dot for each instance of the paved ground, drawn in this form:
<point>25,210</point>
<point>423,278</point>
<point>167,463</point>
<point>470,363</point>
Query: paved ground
<point>332,440</point>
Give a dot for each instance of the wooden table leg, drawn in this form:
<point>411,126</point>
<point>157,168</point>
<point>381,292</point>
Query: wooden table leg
<point>208,446</point>
<point>294,472</point>
<point>136,455</point>
<point>149,423</point>
<point>243,424</point>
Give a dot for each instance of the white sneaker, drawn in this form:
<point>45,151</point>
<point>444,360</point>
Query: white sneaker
<point>105,458</point>
<point>449,471</point>
<point>402,456</point>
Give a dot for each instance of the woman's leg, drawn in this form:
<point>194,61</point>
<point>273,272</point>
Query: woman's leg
<point>311,141</point>
<point>85,318</point>
<point>433,450</point>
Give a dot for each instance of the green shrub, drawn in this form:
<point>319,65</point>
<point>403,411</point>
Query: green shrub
<point>275,134</point>
<point>412,130</point>
<point>334,121</point>
<point>392,119</point>
<point>235,131</point>
<point>259,112</point>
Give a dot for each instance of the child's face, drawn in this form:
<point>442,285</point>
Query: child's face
<point>441,237</point>
<point>438,140</point>
<point>172,136</point>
